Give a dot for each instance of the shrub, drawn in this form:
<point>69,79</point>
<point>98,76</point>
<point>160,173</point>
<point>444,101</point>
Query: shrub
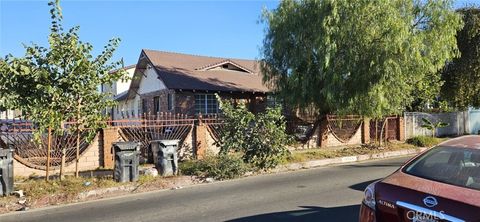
<point>261,138</point>
<point>219,167</point>
<point>423,141</point>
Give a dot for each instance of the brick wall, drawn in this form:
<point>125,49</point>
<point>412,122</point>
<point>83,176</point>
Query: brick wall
<point>327,139</point>
<point>186,149</point>
<point>89,160</point>
<point>148,98</point>
<point>107,138</point>
<point>355,140</point>
<point>185,103</point>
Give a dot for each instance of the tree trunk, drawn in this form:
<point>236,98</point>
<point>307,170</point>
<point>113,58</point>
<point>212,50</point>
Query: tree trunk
<point>49,147</point>
<point>381,131</point>
<point>77,154</point>
<point>62,164</point>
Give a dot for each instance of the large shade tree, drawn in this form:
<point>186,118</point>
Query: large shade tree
<point>364,57</point>
<point>462,75</point>
<point>56,84</point>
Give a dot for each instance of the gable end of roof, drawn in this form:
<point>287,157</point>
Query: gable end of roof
<point>226,61</point>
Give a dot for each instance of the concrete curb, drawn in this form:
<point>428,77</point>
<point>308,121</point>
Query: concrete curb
<point>346,159</point>
<point>102,191</point>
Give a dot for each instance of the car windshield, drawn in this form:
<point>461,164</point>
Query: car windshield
<point>456,166</point>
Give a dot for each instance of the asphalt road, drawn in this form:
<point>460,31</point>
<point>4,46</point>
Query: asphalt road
<point>321,194</point>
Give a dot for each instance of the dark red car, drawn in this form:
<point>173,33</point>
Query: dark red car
<point>441,184</point>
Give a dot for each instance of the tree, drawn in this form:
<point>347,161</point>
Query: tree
<point>462,75</point>
<point>427,124</point>
<point>370,58</point>
<point>58,84</point>
<point>260,138</point>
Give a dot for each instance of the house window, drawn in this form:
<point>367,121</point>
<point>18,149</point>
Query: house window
<point>156,104</point>
<point>206,103</point>
<point>170,101</point>
<point>139,107</point>
<point>144,106</point>
<point>132,106</point>
<point>273,101</point>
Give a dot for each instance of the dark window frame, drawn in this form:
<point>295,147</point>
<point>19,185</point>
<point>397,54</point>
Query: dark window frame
<point>206,103</point>
<point>170,102</point>
<point>156,104</point>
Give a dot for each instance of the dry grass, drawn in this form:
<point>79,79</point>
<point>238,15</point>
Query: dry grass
<point>66,189</point>
<point>325,153</point>
<point>39,192</point>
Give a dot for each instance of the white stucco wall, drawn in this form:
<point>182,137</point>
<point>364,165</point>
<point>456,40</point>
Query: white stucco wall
<point>119,86</point>
<point>136,103</point>
<point>150,82</point>
<point>122,86</point>
<point>9,114</point>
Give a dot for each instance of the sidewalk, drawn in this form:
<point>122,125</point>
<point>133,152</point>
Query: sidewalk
<point>347,159</point>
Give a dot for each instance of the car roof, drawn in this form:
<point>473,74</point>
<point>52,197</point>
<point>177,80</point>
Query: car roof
<point>471,141</point>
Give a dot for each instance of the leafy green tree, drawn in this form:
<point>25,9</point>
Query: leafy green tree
<point>261,138</point>
<point>428,124</point>
<point>462,75</point>
<point>56,84</point>
<point>370,58</point>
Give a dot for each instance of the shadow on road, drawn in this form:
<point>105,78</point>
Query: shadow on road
<point>361,186</point>
<point>309,213</point>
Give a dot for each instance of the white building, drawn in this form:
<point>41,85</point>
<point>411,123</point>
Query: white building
<point>118,88</point>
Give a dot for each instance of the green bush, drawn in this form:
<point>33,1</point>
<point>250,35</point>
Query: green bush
<point>261,137</point>
<point>219,167</point>
<point>424,141</point>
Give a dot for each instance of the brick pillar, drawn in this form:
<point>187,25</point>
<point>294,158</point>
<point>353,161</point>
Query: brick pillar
<point>400,129</point>
<point>366,131</point>
<point>200,140</point>
<point>322,133</point>
<point>110,135</point>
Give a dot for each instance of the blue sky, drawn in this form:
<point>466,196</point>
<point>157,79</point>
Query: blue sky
<point>214,28</point>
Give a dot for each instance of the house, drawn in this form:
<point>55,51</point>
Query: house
<point>10,114</point>
<point>119,88</point>
<point>187,84</point>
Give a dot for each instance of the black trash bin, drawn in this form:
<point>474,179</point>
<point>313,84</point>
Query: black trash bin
<point>127,157</point>
<point>6,171</point>
<point>165,156</point>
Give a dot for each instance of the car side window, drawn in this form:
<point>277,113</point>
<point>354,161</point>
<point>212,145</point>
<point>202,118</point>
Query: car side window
<point>456,166</point>
<point>441,157</point>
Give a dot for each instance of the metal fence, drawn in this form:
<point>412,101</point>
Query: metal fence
<point>214,125</point>
<point>384,128</point>
<point>163,126</point>
<point>32,149</point>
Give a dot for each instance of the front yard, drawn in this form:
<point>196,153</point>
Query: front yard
<point>39,193</point>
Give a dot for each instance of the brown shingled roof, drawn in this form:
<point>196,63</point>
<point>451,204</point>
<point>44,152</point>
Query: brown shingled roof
<point>125,68</point>
<point>193,72</point>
